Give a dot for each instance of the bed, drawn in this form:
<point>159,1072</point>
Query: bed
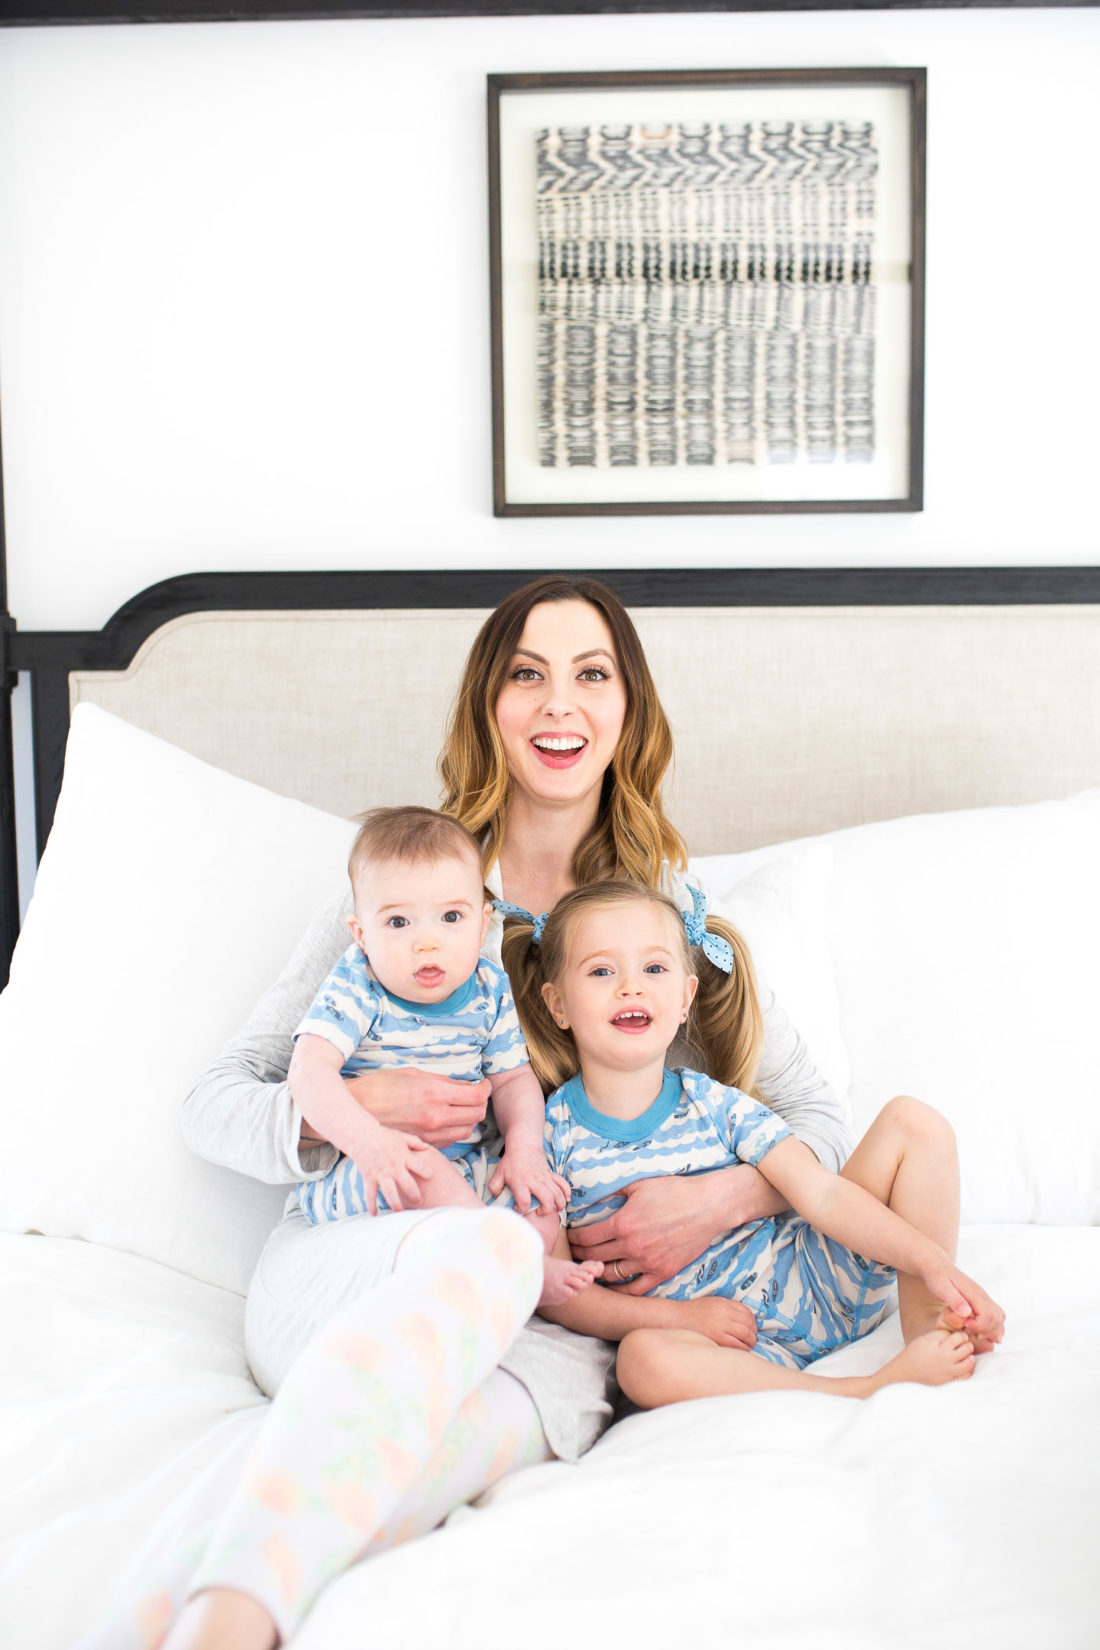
<point>890,779</point>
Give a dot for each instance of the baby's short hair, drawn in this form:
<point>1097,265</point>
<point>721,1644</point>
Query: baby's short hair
<point>415,835</point>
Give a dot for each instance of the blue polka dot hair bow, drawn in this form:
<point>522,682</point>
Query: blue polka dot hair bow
<point>506,909</point>
<point>715,948</point>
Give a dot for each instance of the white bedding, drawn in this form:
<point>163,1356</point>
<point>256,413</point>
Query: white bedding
<point>951,955</point>
<point>964,1516</point>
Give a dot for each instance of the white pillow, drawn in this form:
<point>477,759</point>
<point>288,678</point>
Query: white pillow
<point>965,954</point>
<point>168,895</point>
<point>965,947</point>
<point>778,902</point>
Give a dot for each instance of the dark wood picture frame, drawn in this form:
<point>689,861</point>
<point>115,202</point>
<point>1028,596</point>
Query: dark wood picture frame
<point>522,499</point>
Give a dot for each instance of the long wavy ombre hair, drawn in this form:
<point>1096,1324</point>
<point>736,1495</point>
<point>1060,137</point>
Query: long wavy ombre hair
<point>724,1029</point>
<point>632,834</point>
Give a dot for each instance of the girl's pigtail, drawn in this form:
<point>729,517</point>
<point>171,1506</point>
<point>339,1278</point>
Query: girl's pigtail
<point>552,1051</point>
<point>726,1024</point>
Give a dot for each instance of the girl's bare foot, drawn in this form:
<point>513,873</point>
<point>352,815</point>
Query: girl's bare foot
<point>562,1279</point>
<point>945,1319</point>
<point>932,1359</point>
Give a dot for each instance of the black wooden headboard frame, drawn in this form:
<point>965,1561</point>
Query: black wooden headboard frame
<point>48,656</point>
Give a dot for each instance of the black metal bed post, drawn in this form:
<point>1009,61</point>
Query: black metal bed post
<point>9,862</point>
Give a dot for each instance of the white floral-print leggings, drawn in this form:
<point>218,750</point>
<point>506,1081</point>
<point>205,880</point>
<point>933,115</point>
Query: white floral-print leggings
<point>393,1415</point>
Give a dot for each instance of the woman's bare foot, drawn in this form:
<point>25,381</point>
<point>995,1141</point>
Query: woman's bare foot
<point>932,1359</point>
<point>562,1279</point>
<point>221,1619</point>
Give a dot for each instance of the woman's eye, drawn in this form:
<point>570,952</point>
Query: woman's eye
<point>525,673</point>
<point>397,922</point>
<point>452,916</point>
<point>595,673</point>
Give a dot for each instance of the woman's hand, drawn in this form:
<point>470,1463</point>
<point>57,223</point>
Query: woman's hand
<point>668,1221</point>
<point>440,1110</point>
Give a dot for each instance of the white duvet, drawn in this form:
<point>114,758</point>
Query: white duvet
<point>965,1516</point>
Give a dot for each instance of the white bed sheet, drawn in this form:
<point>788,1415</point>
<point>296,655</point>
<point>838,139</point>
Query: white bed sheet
<point>966,1516</point>
<point>125,1400</point>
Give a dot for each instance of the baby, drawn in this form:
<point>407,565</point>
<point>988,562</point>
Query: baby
<point>413,990</point>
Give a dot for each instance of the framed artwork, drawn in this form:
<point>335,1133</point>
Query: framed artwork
<point>707,291</point>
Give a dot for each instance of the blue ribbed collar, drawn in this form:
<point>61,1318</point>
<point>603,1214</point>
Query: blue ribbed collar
<point>623,1128</point>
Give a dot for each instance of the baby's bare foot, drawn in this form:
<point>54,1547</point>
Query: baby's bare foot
<point>932,1359</point>
<point>562,1279</point>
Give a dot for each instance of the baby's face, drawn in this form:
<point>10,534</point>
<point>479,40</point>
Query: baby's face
<point>421,925</point>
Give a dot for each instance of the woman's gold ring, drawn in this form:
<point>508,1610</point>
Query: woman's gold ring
<point>619,1273</point>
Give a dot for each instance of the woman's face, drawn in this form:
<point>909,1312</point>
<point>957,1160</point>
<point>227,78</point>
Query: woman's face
<point>561,709</point>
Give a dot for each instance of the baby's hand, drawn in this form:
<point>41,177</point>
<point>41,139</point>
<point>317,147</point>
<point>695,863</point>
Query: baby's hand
<point>978,1312</point>
<point>729,1323</point>
<point>396,1164</point>
<point>526,1172</point>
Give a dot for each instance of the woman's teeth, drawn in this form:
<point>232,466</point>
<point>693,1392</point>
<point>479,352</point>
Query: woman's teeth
<point>545,743</point>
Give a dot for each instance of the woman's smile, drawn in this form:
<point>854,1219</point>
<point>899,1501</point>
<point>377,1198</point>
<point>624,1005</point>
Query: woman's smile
<point>559,750</point>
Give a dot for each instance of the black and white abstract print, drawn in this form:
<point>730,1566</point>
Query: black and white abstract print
<point>706,294</point>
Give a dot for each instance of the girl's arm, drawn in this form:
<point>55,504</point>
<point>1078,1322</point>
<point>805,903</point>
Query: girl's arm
<point>610,1313</point>
<point>847,1212</point>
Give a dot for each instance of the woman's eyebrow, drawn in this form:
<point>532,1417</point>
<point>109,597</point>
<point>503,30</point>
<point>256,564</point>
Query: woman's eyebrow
<point>577,657</point>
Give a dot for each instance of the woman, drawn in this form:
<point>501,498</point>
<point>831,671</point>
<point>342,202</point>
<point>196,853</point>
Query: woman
<point>555,757</point>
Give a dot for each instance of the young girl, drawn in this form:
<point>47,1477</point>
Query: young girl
<point>618,972</point>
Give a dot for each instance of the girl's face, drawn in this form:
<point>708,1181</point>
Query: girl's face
<point>624,991</point>
<point>561,709</point>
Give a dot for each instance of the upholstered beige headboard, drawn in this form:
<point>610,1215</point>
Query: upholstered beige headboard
<point>788,720</point>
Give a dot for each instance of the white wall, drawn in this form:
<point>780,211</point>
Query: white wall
<point>218,350</point>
